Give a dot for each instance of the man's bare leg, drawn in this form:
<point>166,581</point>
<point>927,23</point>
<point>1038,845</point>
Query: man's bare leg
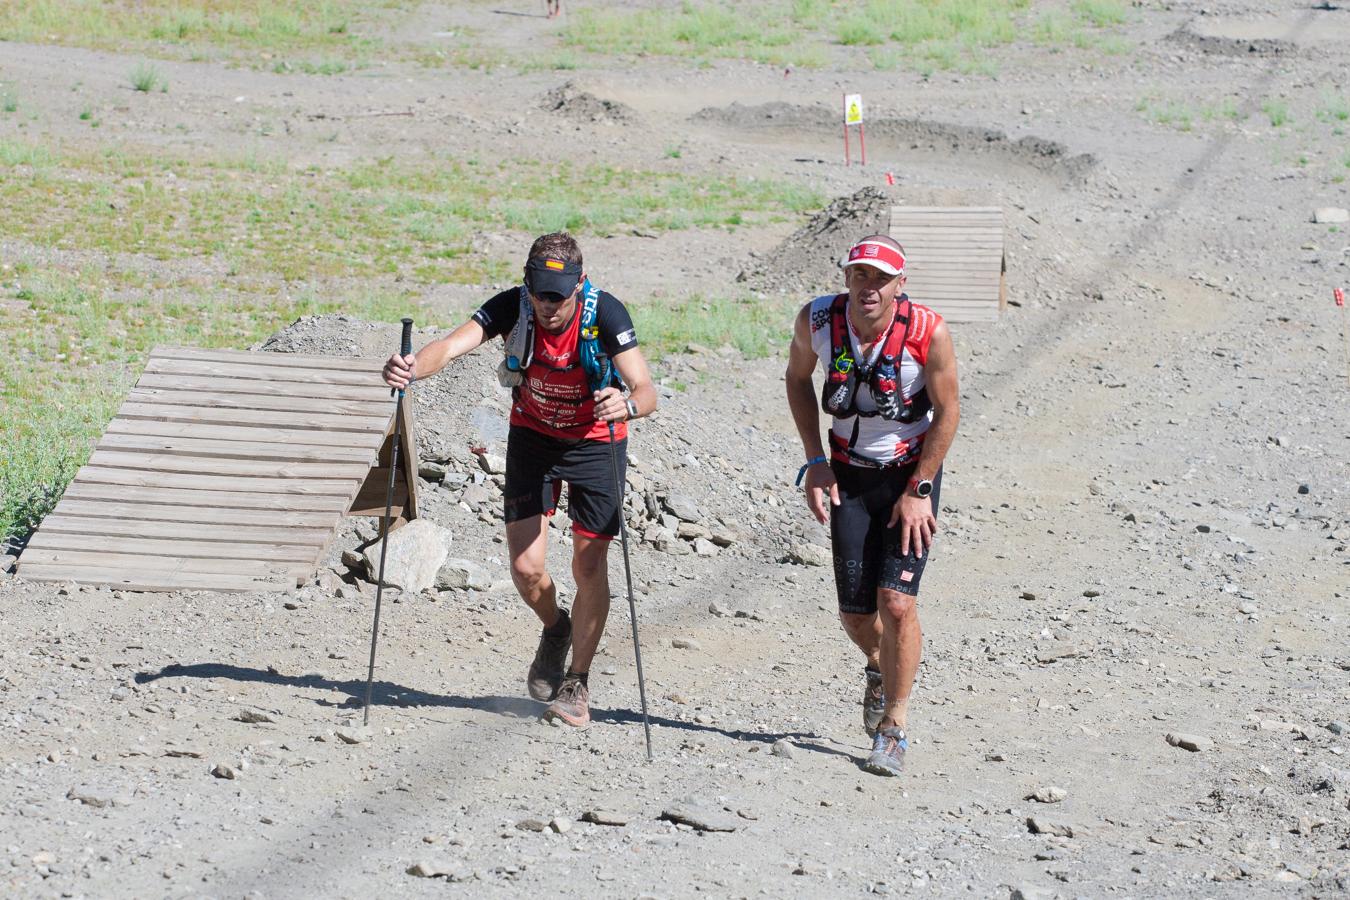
<point>527,544</point>
<point>901,648</point>
<point>590,610</point>
<point>864,630</point>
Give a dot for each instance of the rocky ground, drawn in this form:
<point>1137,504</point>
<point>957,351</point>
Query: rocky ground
<point>1137,668</point>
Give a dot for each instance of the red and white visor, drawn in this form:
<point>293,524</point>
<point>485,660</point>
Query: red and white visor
<point>875,254</point>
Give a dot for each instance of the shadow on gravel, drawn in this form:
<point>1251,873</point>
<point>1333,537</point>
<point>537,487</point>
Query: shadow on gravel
<point>386,693</point>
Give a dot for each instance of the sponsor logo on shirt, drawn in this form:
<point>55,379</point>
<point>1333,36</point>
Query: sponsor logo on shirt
<point>627,337</point>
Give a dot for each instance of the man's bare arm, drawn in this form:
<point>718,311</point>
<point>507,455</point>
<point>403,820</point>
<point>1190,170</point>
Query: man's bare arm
<point>944,390</point>
<point>801,393</point>
<point>400,370</point>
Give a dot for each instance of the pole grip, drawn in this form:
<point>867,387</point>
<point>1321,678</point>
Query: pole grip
<point>405,345</point>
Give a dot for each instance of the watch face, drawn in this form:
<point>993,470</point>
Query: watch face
<point>923,488</point>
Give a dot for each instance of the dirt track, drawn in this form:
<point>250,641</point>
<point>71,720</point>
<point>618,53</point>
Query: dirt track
<point>1128,550</point>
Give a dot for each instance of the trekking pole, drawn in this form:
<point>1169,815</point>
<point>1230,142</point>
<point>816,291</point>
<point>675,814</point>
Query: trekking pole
<point>405,348</point>
<point>628,575</point>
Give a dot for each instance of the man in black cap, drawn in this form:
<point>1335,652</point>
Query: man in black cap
<point>570,351</point>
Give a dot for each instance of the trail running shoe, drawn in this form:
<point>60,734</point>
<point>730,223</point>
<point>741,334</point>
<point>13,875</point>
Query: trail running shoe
<point>888,752</point>
<point>573,703</point>
<point>874,702</point>
<point>546,672</point>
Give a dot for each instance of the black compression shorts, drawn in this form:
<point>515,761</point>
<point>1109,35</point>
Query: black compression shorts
<point>538,464</point>
<point>867,553</point>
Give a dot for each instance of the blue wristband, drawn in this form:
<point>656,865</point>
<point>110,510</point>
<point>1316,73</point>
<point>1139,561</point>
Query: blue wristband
<point>801,473</point>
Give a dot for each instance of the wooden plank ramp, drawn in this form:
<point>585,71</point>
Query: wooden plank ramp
<point>954,257</point>
<point>226,470</point>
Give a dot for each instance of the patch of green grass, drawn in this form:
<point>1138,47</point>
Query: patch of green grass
<point>17,153</point>
<point>373,217</point>
<point>46,434</point>
<point>146,78</point>
<point>1171,113</point>
<point>755,327</point>
<point>1335,108</point>
<point>249,31</point>
<point>1277,111</point>
<point>859,31</point>
<point>8,102</point>
<point>1225,110</point>
<point>803,31</point>
<point>317,67</point>
<point>1101,13</point>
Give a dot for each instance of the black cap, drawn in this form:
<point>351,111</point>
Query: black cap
<point>552,276</point>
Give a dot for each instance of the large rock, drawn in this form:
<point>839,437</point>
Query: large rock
<point>1331,215</point>
<point>99,796</point>
<point>809,555</point>
<point>1195,743</point>
<point>683,507</point>
<point>698,817</point>
<point>462,574</point>
<point>416,552</point>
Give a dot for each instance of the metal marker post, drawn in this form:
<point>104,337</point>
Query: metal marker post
<point>1345,332</point>
<point>405,348</point>
<point>846,159</point>
<point>853,115</point>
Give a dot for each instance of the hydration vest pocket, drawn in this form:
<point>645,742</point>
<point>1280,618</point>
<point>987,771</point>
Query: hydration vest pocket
<point>509,372</point>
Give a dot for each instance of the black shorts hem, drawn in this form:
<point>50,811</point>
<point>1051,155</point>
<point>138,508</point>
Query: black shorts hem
<point>537,465</point>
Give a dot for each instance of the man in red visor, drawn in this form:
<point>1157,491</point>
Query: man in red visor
<point>890,389</point>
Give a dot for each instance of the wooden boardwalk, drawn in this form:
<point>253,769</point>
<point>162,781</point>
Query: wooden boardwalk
<point>954,255</point>
<point>225,470</point>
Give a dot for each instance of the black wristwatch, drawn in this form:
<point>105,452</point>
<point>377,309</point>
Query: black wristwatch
<point>632,408</point>
<point>921,488</point>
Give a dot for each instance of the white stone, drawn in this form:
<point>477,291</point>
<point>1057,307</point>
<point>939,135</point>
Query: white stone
<point>416,552</point>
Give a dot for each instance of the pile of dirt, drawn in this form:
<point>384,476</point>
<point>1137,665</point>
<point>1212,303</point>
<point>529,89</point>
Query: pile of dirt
<point>808,260</point>
<point>332,335</point>
<point>1229,46</point>
<point>916,134</point>
<point>571,103</point>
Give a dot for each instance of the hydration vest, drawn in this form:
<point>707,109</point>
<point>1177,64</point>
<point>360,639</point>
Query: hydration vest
<point>519,345</point>
<point>839,394</point>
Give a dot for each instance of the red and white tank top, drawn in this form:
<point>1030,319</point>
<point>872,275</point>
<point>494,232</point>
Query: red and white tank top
<point>879,440</point>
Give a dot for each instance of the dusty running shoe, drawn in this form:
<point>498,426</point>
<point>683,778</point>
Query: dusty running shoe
<point>573,703</point>
<point>546,672</point>
<point>888,752</point>
<point>874,702</point>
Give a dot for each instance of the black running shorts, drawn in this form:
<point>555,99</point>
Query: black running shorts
<point>538,464</point>
<point>867,553</point>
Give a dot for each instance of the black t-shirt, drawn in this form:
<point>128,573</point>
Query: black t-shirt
<point>498,316</point>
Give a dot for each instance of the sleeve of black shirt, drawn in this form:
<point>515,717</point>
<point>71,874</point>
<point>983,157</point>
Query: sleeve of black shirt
<point>498,315</point>
<point>616,325</point>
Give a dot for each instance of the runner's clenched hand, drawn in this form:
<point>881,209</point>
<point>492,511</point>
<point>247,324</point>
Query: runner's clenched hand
<point>399,371</point>
<point>820,481</point>
<point>610,406</point>
<point>917,523</point>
